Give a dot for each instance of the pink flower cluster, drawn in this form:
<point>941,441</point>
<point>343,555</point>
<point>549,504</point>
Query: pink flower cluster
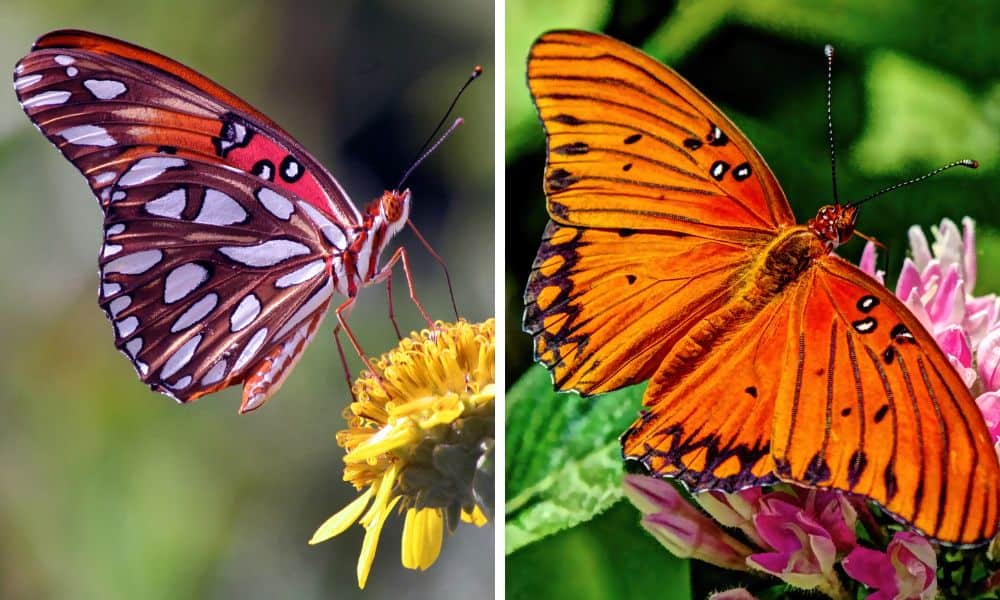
<point>799,534</point>
<point>794,533</point>
<point>937,285</point>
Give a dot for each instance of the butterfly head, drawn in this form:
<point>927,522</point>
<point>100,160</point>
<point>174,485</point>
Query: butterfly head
<point>834,224</point>
<point>393,209</point>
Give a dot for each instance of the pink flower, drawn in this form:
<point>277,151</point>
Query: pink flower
<point>905,570</point>
<point>937,285</point>
<point>733,594</point>
<point>807,530</point>
<point>682,528</point>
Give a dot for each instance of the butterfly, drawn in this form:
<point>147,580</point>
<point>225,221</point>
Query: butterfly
<point>224,240</point>
<point>672,255</point>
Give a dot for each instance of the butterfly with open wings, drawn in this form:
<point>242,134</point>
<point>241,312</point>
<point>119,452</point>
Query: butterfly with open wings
<point>673,255</point>
<point>224,240</point>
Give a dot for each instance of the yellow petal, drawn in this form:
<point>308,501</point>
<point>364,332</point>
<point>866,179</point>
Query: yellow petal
<point>344,518</point>
<point>422,533</point>
<point>386,439</point>
<point>372,532</point>
<point>476,517</point>
<point>382,495</point>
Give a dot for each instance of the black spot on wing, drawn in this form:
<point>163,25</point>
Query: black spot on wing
<point>572,149</point>
<point>635,137</point>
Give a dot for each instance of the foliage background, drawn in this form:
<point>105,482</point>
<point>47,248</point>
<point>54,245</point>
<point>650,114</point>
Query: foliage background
<point>916,84</point>
<point>108,490</point>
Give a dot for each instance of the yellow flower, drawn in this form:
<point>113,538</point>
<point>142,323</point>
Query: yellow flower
<point>420,438</point>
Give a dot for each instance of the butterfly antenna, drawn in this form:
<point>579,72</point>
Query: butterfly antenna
<point>968,162</point>
<point>828,51</point>
<point>421,154</point>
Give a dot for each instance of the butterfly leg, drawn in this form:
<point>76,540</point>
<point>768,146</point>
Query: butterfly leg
<point>440,261</point>
<point>342,312</point>
<point>386,272</point>
<point>392,312</point>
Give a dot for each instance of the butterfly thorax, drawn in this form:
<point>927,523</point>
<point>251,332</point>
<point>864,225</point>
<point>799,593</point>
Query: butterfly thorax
<point>834,224</point>
<point>381,221</point>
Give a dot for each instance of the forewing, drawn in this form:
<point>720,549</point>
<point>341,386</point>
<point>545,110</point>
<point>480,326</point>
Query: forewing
<point>605,306</point>
<point>206,272</point>
<point>869,404</point>
<point>106,104</point>
<point>631,144</point>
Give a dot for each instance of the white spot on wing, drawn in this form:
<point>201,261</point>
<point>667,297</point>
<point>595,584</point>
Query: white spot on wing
<point>127,327</point>
<point>111,250</point>
<point>246,311</point>
<point>105,177</point>
<point>88,135</point>
<point>275,203</point>
<point>135,263</point>
<point>220,209</point>
<point>105,89</point>
<point>143,367</point>
<point>195,313</point>
<point>169,205</point>
<point>119,304</point>
<point>47,98</point>
<point>180,358</point>
<point>134,346</point>
<point>110,289</point>
<point>333,233</point>
<point>265,254</point>
<point>301,274</point>
<point>182,281</point>
<point>149,168</point>
<point>251,349</point>
<point>215,374</point>
<point>23,82</point>
<point>311,305</point>
<point>64,60</point>
<point>118,195</point>
<point>115,229</point>
<point>181,383</point>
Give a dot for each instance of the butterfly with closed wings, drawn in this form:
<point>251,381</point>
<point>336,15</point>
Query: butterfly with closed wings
<point>224,240</point>
<point>673,255</point>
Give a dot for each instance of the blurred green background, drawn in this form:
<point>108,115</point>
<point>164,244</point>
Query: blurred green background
<point>108,490</point>
<point>916,85</point>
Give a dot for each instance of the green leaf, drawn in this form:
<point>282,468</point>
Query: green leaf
<point>526,20</point>
<point>923,117</point>
<point>563,463</point>
<point>609,557</point>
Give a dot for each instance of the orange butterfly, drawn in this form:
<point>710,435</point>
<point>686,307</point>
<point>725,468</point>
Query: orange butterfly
<point>672,255</point>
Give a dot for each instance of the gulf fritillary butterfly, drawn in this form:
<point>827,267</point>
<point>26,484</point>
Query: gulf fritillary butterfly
<point>672,255</point>
<point>224,239</point>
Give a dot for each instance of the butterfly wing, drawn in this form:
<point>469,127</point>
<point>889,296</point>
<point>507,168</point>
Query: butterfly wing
<point>652,190</point>
<point>219,227</point>
<point>606,305</point>
<point>631,144</point>
<point>861,397</point>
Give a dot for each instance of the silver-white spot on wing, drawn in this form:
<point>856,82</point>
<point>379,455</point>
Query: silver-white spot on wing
<point>118,195</point>
<point>180,357</point>
<point>149,168</point>
<point>105,89</point>
<point>250,350</point>
<point>23,82</point>
<point>135,263</point>
<point>169,205</point>
<point>127,327</point>
<point>115,229</point>
<point>87,135</point>
<point>134,346</point>
<point>64,61</point>
<point>47,98</point>
<point>72,71</point>
<point>246,311</point>
<point>310,306</point>
<point>110,289</point>
<point>215,374</point>
<point>181,383</point>
<point>301,274</point>
<point>333,233</point>
<point>105,177</point>
<point>110,250</point>
<point>265,254</point>
<point>119,304</point>
<point>182,281</point>
<point>196,312</point>
<point>275,203</point>
<point>220,209</point>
